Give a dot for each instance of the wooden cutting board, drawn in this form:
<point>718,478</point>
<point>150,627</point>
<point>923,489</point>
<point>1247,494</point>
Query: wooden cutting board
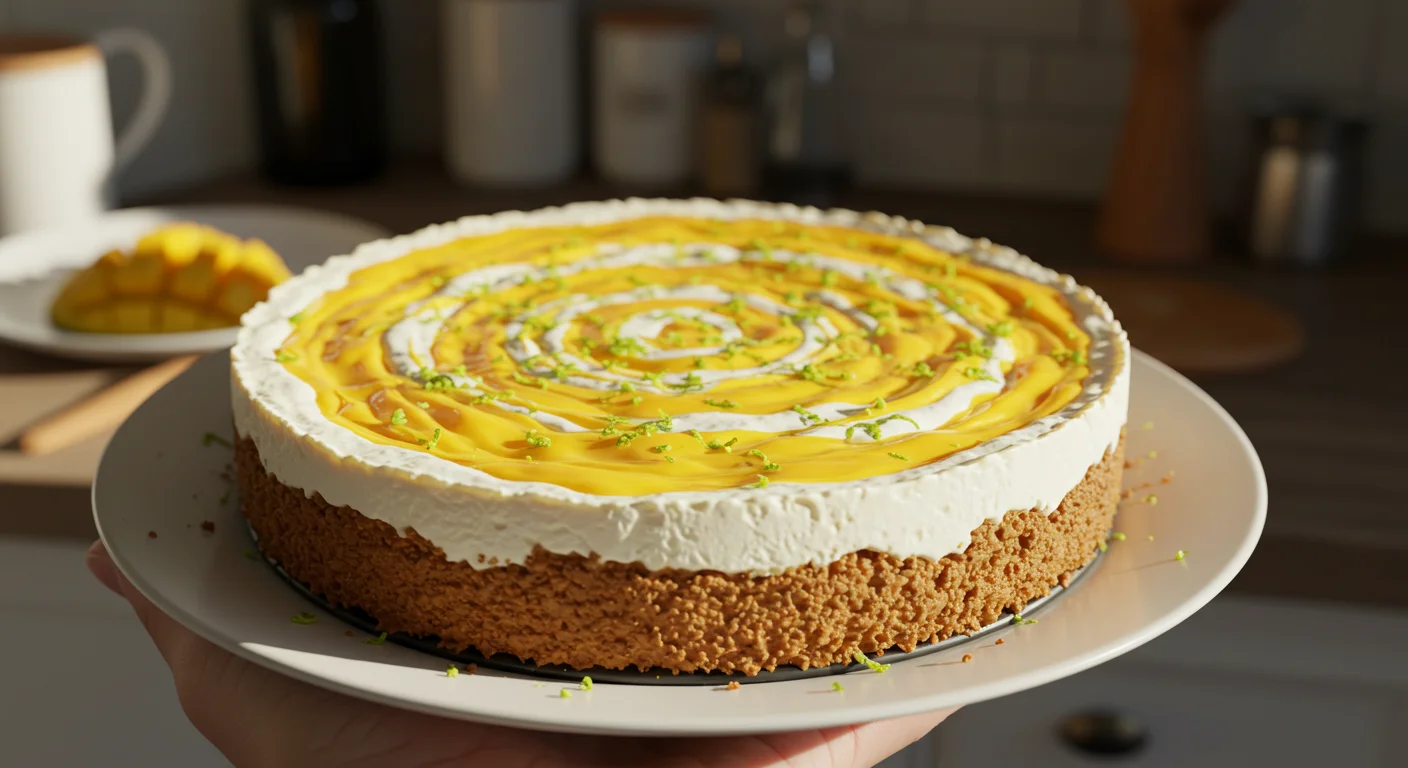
<point>1199,327</point>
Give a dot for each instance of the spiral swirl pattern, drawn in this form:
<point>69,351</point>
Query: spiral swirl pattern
<point>674,353</point>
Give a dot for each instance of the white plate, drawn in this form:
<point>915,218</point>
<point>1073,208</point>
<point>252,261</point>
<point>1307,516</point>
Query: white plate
<point>155,476</point>
<point>35,265</point>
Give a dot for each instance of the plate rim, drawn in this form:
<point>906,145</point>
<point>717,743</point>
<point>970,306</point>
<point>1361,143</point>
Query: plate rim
<point>606,724</point>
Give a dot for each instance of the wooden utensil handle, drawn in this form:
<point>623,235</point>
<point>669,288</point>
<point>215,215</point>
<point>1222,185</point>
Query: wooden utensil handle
<point>100,412</point>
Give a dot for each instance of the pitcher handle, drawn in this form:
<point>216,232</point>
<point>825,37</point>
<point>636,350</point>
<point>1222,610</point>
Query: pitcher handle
<point>156,88</point>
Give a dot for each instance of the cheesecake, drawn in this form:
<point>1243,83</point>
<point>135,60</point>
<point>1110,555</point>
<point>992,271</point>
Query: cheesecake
<point>681,435</point>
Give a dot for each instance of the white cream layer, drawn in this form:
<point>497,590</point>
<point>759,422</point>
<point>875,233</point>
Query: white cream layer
<point>927,511</point>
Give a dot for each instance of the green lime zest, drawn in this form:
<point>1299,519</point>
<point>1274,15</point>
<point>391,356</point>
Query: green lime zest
<point>378,640</point>
<point>874,665</point>
<point>432,442</point>
<point>398,417</point>
<point>807,416</point>
<point>305,618</point>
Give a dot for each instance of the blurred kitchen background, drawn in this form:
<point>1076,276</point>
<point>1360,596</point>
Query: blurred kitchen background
<point>1253,234</point>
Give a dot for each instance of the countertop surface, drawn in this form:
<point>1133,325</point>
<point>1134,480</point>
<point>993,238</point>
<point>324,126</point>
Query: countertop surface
<point>1330,425</point>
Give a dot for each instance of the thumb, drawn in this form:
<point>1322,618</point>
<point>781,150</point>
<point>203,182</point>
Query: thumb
<point>172,640</point>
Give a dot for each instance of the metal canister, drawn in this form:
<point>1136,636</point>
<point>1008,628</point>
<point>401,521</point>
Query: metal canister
<point>1304,205</point>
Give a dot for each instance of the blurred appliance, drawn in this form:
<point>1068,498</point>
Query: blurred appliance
<point>1306,180</point>
<point>730,135</point>
<point>649,66</point>
<point>806,148</point>
<point>510,90</point>
<point>57,153</point>
<point>319,82</point>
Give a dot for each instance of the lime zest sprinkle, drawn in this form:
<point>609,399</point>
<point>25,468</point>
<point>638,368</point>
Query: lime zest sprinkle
<point>378,640</point>
<point>284,356</point>
<point>1151,499</point>
<point>564,694</point>
<point>899,456</point>
<point>210,438</point>
<point>762,482</point>
<point>874,665</point>
<point>432,442</point>
<point>398,417</point>
<point>586,683</point>
<point>694,433</point>
<point>872,428</point>
<point>1117,536</point>
<point>1000,328</point>
<point>1019,621</point>
<point>973,348</point>
<point>453,671</point>
<point>296,318</point>
<point>720,403</point>
<point>531,381</point>
<point>922,369</point>
<point>1180,554</point>
<point>423,404</point>
<point>837,687</point>
<point>305,618</point>
<point>536,440</point>
<point>1069,357</point>
<point>807,416</point>
<point>878,404</point>
<point>974,372</point>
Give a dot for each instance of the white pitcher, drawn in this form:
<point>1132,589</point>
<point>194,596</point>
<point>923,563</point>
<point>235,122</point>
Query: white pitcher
<point>57,151</point>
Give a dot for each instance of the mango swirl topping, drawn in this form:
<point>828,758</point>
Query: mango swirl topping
<point>670,353</point>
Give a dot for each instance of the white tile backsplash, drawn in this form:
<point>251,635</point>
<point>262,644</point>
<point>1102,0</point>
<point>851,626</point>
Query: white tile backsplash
<point>1390,65</point>
<point>1107,21</point>
<point>1061,157</point>
<point>1301,47</point>
<point>1012,73</point>
<point>934,147</point>
<point>1028,92</point>
<point>947,70</point>
<point>1058,19</point>
<point>884,11</point>
<point>1079,78</point>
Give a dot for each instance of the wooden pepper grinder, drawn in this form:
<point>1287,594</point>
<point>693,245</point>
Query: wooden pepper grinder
<point>1155,208</point>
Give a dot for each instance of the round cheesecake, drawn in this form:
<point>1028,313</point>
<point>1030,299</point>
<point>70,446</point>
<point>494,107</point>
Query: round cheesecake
<point>684,435</point>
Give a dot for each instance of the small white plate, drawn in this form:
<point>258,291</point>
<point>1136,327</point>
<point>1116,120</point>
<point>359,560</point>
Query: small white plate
<point>155,476</point>
<point>35,265</point>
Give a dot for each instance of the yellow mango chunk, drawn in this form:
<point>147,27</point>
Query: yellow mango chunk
<point>181,277</point>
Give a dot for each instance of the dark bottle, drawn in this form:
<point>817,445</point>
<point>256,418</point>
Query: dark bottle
<point>319,81</point>
<point>730,135</point>
<point>807,159</point>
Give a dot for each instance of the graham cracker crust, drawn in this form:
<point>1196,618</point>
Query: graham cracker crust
<point>579,611</point>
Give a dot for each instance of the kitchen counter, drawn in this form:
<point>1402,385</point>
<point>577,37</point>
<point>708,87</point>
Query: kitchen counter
<point>1330,433</point>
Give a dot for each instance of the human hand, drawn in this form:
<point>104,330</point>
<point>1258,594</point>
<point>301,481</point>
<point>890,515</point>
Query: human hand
<point>259,718</point>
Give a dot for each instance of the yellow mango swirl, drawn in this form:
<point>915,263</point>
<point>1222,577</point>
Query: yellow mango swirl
<point>687,354</point>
